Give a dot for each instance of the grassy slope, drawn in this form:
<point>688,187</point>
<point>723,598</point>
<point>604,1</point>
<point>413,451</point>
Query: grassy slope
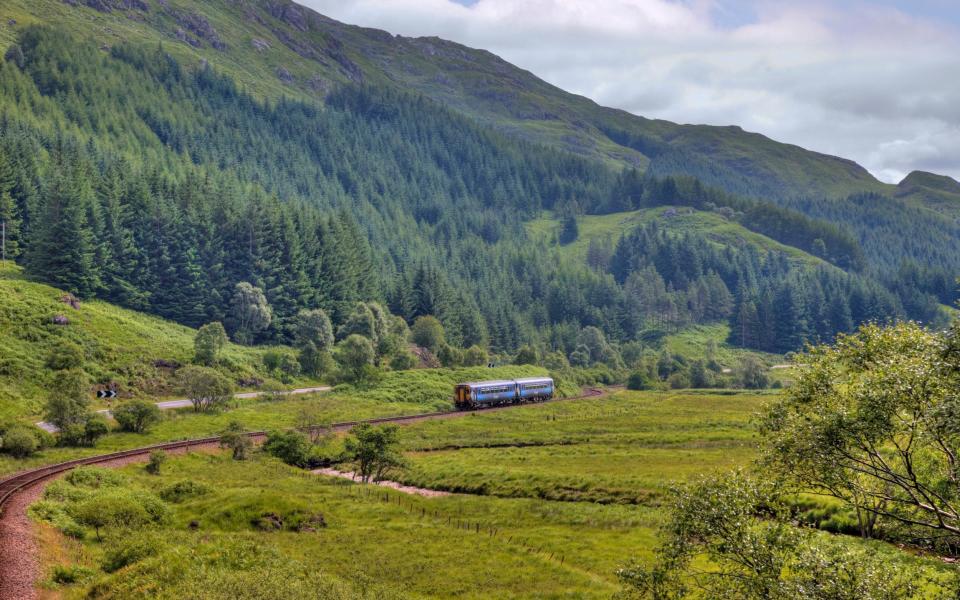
<point>686,220</point>
<point>320,53</point>
<point>938,193</point>
<point>120,345</point>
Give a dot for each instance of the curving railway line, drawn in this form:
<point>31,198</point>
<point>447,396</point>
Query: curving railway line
<point>19,481</point>
<point>18,548</point>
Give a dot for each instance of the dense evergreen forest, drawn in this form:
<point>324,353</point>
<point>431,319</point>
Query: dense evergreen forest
<point>159,186</point>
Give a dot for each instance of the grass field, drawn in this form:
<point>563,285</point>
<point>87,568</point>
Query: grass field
<point>242,536</point>
<point>626,448</point>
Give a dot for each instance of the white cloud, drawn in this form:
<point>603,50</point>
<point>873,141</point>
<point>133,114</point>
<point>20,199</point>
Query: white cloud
<point>858,79</point>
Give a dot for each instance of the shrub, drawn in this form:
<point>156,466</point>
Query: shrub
<point>449,356</point>
<point>427,331</point>
<point>126,551</point>
<point>403,361</point>
<point>136,416</point>
<point>638,380</point>
<point>66,355</point>
<point>292,447</point>
<point>205,387</point>
<point>236,440</point>
<point>157,458</point>
<point>19,442</point>
<point>94,477</point>
<point>355,355</point>
<point>69,574</point>
<point>475,356</point>
<point>183,490</point>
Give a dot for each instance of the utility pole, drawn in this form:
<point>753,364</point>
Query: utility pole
<point>3,239</point>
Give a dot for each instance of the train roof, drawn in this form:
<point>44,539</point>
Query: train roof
<point>508,381</point>
<point>534,379</point>
<point>492,382</point>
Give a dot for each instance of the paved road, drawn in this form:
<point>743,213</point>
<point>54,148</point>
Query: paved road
<point>184,403</point>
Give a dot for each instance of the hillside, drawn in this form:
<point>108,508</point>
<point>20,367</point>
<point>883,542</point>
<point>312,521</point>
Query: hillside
<point>929,190</point>
<point>123,347</point>
<point>277,48</point>
<point>178,179</point>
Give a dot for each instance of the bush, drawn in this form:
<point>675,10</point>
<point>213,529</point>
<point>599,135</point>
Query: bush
<point>157,458</point>
<point>292,447</point>
<point>19,442</point>
<point>449,356</point>
<point>126,551</point>
<point>183,490</point>
<point>69,574</point>
<point>66,355</point>
<point>638,380</point>
<point>94,477</point>
<point>527,355</point>
<point>404,361</point>
<point>475,356</point>
<point>136,416</point>
<point>427,331</point>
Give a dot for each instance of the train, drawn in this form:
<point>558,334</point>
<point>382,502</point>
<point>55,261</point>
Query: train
<point>482,394</point>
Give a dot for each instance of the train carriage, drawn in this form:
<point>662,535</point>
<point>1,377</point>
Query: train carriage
<point>482,394</point>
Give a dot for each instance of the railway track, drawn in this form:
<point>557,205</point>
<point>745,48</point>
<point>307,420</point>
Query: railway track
<point>19,481</point>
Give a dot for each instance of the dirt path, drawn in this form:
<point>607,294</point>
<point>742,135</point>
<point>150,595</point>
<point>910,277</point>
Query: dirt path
<point>394,485</point>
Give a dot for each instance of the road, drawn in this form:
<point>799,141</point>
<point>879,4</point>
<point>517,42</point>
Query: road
<point>185,403</point>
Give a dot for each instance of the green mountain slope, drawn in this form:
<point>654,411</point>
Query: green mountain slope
<point>276,48</point>
<point>938,193</point>
<point>132,350</point>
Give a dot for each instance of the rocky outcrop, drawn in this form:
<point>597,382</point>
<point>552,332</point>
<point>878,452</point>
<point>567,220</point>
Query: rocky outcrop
<point>260,45</point>
<point>199,26</point>
<point>284,75</point>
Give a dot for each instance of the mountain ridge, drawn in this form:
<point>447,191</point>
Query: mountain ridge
<point>280,48</point>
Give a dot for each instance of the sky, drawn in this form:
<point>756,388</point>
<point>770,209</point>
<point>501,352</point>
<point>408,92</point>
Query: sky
<point>877,81</point>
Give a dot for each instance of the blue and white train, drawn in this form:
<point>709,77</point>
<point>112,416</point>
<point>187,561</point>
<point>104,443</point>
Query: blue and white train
<point>481,394</point>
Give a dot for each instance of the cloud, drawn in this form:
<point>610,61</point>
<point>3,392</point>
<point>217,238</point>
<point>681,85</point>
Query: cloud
<point>872,81</point>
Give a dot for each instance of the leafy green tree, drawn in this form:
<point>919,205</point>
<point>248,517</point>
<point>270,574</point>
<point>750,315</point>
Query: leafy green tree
<point>136,416</point>
<point>317,363</point>
<point>313,327</point>
<point>449,356</point>
<point>235,439</point>
<point>94,428</point>
<point>475,356</point>
<point>68,402</point>
<point>742,528</point>
<point>753,374</point>
<point>638,380</point>
<point>527,355</point>
<point>427,331</point>
<point>872,420</point>
<point>403,361</point>
<point>570,230</point>
<point>209,341</point>
<point>292,447</point>
<point>204,387</point>
<point>375,450</point>
<point>19,442</point>
<point>157,458</point>
<point>361,321</point>
<point>250,312</point>
<point>355,355</point>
